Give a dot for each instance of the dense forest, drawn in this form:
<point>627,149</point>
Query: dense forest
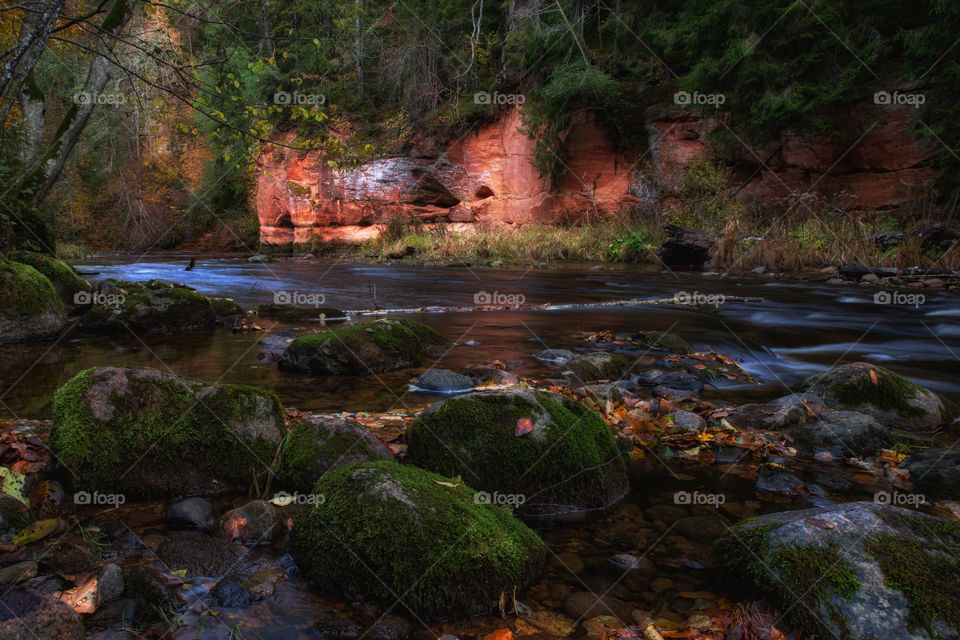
<point>137,125</point>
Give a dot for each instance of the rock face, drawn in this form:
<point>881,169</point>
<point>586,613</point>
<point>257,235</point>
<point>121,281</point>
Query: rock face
<point>141,432</point>
<point>154,305</point>
<point>375,347</point>
<point>415,533</point>
<point>316,446</point>
<point>548,455</point>
<point>29,306</point>
<point>487,178</point>
<point>860,570</point>
<point>890,399</point>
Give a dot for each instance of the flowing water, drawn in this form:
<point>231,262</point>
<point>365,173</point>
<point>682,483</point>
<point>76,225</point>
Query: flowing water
<point>797,329</point>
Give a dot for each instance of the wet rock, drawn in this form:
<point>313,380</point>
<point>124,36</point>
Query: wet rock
<point>860,569</point>
<point>151,591</point>
<point>263,583</point>
<point>424,529</point>
<point>231,592</point>
<point>142,432</point>
<point>152,306</point>
<point>64,278</point>
<point>628,562</point>
<point>568,562</point>
<point>842,434</point>
<point>553,624</point>
<point>701,528</point>
<point>776,478</point>
<point>387,628</point>
<point>294,313</point>
<point>117,613</point>
<point>687,421</point>
<point>257,522</point>
<point>679,380</point>
<point>602,392</point>
<point>597,366</point>
<point>565,455</point>
<point>583,605</point>
<point>890,399</point>
<point>444,381</point>
<point>109,583</point>
<point>665,342</point>
<point>767,416</point>
<point>602,626</point>
<point>363,349</point>
<point>199,553</point>
<point>935,472</point>
<point>192,512</point>
<point>484,375</point>
<point>26,614</point>
<point>557,357</point>
<point>317,445</point>
<point>29,306</point>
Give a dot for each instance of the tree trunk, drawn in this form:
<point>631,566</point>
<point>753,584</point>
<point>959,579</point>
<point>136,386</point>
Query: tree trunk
<point>39,18</point>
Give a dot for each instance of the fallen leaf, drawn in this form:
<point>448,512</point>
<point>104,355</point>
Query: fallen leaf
<point>524,426</point>
<point>35,531</point>
<point>874,379</point>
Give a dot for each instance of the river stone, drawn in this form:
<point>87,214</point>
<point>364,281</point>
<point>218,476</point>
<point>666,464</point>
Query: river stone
<point>776,478</point>
<point>482,375</point>
<point>601,392</point>
<point>294,313</point>
<point>230,592</point>
<point>155,305</point>
<point>142,432</point>
<point>18,572</point>
<point>64,278</point>
<point>893,401</point>
<point>935,472</point>
<point>109,583</point>
<point>444,381</point>
<point>582,605</point>
<point>257,522</point>
<point>319,444</point>
<point>701,528</point>
<point>842,434</point>
<point>362,349</point>
<point>687,421</point>
<point>199,553</point>
<point>679,380</point>
<point>192,512</point>
<point>664,342</point>
<point>557,357</point>
<point>861,570</point>
<point>29,306</point>
<point>26,614</point>
<point>386,529</point>
<point>767,416</point>
<point>566,467</point>
<point>597,366</point>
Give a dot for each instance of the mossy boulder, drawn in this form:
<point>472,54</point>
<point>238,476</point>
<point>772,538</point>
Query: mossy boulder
<point>564,465</point>
<point>155,305</point>
<point>315,446</point>
<point>842,434</point>
<point>64,278</point>
<point>226,311</point>
<point>891,399</point>
<point>664,342</point>
<point>601,365</point>
<point>362,349</point>
<point>30,308</point>
<point>142,432</point>
<point>386,532</point>
<point>294,313</point>
<point>860,570</point>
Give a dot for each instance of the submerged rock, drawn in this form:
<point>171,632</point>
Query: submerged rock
<point>386,529</point>
<point>557,357</point>
<point>444,381</point>
<point>891,399</point>
<point>484,375</point>
<point>257,522</point>
<point>317,445</point>
<point>141,432</point>
<point>155,305</point>
<point>363,349</point>
<point>192,512</point>
<point>29,306</point>
<point>860,570</point>
<point>548,455</point>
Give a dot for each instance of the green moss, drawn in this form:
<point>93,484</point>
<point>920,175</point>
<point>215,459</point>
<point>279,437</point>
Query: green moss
<point>473,436</point>
<point>890,394</point>
<point>736,552</point>
<point>385,532</point>
<point>297,189</point>
<point>293,313</point>
<point>309,450</point>
<point>24,291</point>
<point>598,366</point>
<point>663,341</point>
<point>62,276</point>
<point>158,425</point>
<point>926,573</point>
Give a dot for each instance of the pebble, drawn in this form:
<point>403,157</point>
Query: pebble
<point>659,585</point>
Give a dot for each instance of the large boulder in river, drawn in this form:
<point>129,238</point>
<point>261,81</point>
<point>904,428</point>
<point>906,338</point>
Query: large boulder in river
<point>315,446</point>
<point>891,399</point>
<point>544,453</point>
<point>155,305</point>
<point>387,532</point>
<point>29,306</point>
<point>64,278</point>
<point>141,432</point>
<point>362,349</point>
<point>601,365</point>
<point>842,434</point>
<point>859,570</point>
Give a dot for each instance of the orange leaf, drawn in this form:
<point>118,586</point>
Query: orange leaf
<point>500,634</point>
<point>524,426</point>
<point>874,379</point>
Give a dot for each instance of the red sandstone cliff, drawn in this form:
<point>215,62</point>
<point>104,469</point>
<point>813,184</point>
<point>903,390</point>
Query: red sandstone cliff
<point>486,177</point>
